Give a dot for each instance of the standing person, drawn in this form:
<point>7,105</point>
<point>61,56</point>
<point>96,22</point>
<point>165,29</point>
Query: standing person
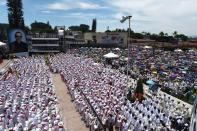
<point>110,122</point>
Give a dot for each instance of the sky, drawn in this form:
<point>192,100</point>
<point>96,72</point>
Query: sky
<point>147,15</point>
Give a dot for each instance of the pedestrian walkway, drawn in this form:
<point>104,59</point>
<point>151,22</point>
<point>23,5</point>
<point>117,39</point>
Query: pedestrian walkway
<point>71,118</point>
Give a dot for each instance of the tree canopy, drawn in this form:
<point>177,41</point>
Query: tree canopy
<point>94,25</point>
<point>161,37</point>
<point>15,13</point>
<point>83,28</point>
<point>3,31</point>
<point>41,27</point>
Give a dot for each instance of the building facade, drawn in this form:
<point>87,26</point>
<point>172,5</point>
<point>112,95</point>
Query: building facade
<point>119,38</point>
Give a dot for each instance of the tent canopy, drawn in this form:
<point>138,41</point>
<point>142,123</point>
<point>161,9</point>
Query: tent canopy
<point>147,47</point>
<point>1,43</point>
<point>111,55</point>
<point>178,50</point>
<point>117,49</point>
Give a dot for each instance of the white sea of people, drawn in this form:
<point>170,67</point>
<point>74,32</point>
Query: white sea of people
<point>27,98</point>
<point>105,90</point>
<point>28,101</point>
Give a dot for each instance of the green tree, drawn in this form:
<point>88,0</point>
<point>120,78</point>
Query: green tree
<point>108,31</point>
<point>41,27</point>
<point>3,31</point>
<point>182,37</point>
<point>94,25</point>
<point>166,34</point>
<point>15,13</point>
<point>74,28</point>
<point>175,33</point>
<point>161,34</point>
<point>84,28</point>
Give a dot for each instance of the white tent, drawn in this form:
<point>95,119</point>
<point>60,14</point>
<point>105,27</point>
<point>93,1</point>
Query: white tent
<point>191,50</point>
<point>117,49</point>
<point>95,64</point>
<point>1,43</point>
<point>178,50</point>
<point>111,55</point>
<point>147,47</point>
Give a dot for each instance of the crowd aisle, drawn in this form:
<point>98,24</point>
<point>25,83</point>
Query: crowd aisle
<point>27,97</point>
<point>105,90</point>
<point>70,116</point>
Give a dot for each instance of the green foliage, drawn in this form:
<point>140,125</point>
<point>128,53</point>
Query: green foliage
<point>3,31</point>
<point>137,36</point>
<point>83,28</point>
<point>15,13</point>
<point>41,27</point>
<point>182,37</point>
<point>172,48</point>
<point>161,37</point>
<point>94,25</point>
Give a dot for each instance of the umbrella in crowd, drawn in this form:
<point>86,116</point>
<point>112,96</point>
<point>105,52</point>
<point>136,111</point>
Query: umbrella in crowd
<point>150,82</point>
<point>104,88</point>
<point>111,55</point>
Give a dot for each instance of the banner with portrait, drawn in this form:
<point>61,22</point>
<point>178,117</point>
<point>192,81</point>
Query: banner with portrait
<point>112,39</point>
<point>17,42</point>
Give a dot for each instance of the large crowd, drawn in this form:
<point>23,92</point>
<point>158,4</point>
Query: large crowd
<point>27,97</point>
<point>99,92</point>
<point>98,87</point>
<point>173,71</point>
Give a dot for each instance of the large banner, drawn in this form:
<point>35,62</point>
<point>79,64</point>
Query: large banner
<point>17,42</point>
<point>112,39</point>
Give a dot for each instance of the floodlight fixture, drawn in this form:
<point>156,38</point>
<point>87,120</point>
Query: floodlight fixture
<point>124,18</point>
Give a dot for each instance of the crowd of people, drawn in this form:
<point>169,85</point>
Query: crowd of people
<point>99,95</point>
<point>173,71</point>
<point>27,97</point>
<point>98,87</point>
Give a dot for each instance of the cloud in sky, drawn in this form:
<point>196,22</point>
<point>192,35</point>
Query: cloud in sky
<point>2,2</point>
<point>74,4</point>
<point>165,15</point>
<point>46,11</point>
<point>148,15</point>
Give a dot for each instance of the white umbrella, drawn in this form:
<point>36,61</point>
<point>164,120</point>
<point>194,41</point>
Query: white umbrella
<point>111,55</point>
<point>178,50</point>
<point>147,47</point>
<point>117,49</point>
<point>191,50</point>
<point>1,43</point>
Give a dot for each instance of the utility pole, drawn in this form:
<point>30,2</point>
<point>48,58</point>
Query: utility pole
<point>128,43</point>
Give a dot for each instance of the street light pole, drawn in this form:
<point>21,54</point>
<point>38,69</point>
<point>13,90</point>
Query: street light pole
<point>128,51</point>
<point>128,42</point>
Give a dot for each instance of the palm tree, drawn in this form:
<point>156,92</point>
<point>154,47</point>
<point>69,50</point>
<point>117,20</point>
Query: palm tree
<point>161,34</point>
<point>15,13</point>
<point>175,33</point>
